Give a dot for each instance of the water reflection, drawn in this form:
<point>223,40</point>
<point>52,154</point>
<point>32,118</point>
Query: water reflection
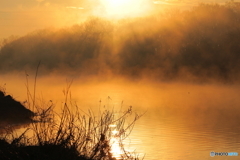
<point>115,148</point>
<point>114,142</point>
<point>185,119</point>
<point>185,137</point>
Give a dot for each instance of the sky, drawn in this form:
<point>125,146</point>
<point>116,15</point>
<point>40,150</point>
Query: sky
<point>19,17</point>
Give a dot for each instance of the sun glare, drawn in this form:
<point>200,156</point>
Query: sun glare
<point>125,8</point>
<point>115,148</point>
<point>117,3</point>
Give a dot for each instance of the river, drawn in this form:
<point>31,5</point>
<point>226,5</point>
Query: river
<point>180,121</point>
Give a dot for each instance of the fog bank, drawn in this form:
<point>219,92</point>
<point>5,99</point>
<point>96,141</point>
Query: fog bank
<point>200,45</point>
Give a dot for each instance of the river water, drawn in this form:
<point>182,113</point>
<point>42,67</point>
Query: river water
<point>180,121</point>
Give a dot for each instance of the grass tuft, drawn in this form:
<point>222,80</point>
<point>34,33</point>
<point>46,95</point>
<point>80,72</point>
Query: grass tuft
<point>71,134</point>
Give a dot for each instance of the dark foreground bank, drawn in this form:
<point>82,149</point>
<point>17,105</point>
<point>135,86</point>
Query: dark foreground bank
<point>44,152</point>
<point>69,135</point>
<point>13,112</point>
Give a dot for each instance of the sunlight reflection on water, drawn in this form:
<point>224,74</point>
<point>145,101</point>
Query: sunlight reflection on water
<point>114,143</point>
<point>182,121</point>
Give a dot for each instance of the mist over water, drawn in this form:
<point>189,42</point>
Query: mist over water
<point>180,67</point>
<point>177,116</point>
<point>199,45</point>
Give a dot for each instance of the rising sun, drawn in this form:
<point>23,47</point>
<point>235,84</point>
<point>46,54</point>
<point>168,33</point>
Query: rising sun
<point>123,8</point>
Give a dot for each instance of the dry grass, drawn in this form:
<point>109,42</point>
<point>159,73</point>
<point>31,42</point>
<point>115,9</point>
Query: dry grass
<point>71,133</point>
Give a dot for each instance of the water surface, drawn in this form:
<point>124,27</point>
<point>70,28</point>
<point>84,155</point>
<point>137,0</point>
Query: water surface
<point>181,121</point>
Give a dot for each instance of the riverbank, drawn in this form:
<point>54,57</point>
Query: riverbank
<point>69,134</point>
<point>15,151</point>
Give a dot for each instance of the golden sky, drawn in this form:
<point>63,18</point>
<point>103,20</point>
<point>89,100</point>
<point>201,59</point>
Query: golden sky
<point>21,17</point>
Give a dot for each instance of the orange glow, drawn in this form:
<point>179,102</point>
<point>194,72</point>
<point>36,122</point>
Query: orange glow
<point>125,8</point>
<point>115,148</point>
<point>114,141</point>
